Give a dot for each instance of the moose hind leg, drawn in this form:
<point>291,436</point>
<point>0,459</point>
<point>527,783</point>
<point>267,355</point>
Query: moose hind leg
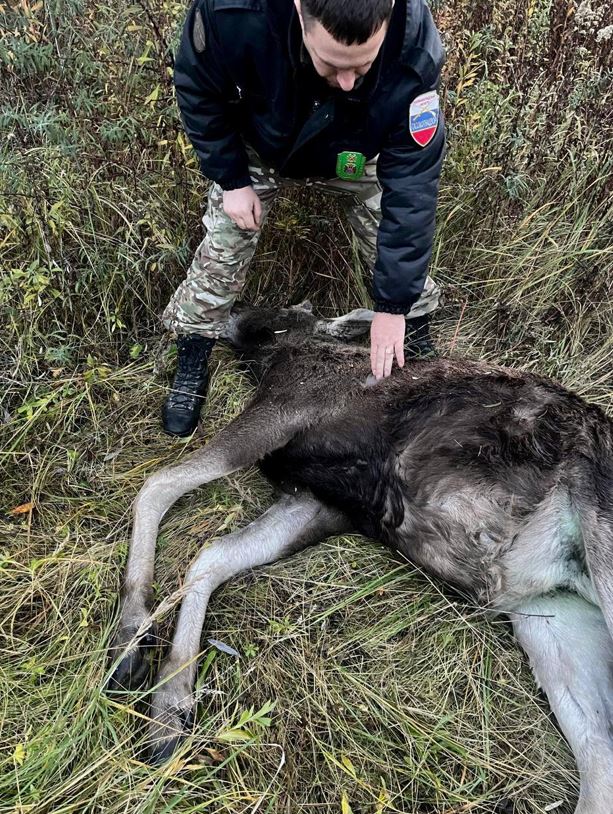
<point>289,525</point>
<point>571,655</point>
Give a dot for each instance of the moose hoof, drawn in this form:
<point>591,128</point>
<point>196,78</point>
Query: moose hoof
<point>172,721</point>
<point>133,669</point>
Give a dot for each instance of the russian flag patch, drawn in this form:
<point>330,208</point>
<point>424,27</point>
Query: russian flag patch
<point>423,117</point>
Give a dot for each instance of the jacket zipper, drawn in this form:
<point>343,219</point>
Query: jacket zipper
<point>313,126</point>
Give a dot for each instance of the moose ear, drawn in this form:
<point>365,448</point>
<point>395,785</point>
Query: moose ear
<point>349,326</point>
<point>248,328</point>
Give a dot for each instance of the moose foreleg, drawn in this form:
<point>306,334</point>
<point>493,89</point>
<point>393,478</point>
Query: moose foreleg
<point>259,430</point>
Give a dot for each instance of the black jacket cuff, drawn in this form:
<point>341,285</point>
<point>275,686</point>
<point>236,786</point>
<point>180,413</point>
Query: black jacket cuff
<point>380,306</point>
<point>236,183</point>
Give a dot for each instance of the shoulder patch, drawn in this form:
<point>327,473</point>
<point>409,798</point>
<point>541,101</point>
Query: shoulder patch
<point>423,117</point>
<point>198,34</point>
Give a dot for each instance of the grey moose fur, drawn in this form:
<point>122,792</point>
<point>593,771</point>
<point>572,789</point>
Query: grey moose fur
<point>494,480</point>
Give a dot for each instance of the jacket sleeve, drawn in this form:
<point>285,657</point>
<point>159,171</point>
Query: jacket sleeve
<point>203,90</point>
<point>409,178</point>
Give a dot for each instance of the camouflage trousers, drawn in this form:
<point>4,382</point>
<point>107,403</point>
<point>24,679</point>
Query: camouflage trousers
<point>202,303</point>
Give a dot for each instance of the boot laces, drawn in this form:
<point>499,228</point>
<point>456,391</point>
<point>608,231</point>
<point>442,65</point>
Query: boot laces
<point>191,376</point>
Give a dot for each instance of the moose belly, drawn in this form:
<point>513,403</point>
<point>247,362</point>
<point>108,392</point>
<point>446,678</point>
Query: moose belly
<point>487,543</point>
<point>380,503</point>
<point>494,544</point>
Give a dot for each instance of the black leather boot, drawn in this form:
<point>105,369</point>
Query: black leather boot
<point>181,410</point>
<point>418,342</point>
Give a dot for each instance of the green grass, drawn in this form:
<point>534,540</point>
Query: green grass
<point>389,693</point>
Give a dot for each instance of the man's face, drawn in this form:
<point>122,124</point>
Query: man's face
<point>339,64</point>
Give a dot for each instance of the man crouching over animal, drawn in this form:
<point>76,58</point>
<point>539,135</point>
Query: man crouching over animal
<point>494,480</point>
<point>337,95</point>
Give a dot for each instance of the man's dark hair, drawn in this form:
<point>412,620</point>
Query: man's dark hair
<point>348,21</point>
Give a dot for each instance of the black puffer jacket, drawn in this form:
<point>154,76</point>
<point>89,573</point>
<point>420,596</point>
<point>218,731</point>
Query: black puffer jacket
<point>241,78</point>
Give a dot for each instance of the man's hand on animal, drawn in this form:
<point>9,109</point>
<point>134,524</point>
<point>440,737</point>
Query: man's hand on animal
<point>243,207</point>
<point>386,343</point>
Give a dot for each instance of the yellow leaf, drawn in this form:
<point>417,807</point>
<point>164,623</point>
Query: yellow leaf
<point>19,755</point>
<point>382,800</point>
<point>345,807</point>
<point>153,96</point>
<point>348,765</point>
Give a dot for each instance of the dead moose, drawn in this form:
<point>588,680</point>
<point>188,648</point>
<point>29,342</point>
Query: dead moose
<point>497,481</point>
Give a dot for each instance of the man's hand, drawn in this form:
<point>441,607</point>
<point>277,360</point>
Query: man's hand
<point>244,207</point>
<point>386,341</point>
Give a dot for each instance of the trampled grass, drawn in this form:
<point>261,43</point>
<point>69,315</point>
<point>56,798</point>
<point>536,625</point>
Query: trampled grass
<point>390,693</point>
